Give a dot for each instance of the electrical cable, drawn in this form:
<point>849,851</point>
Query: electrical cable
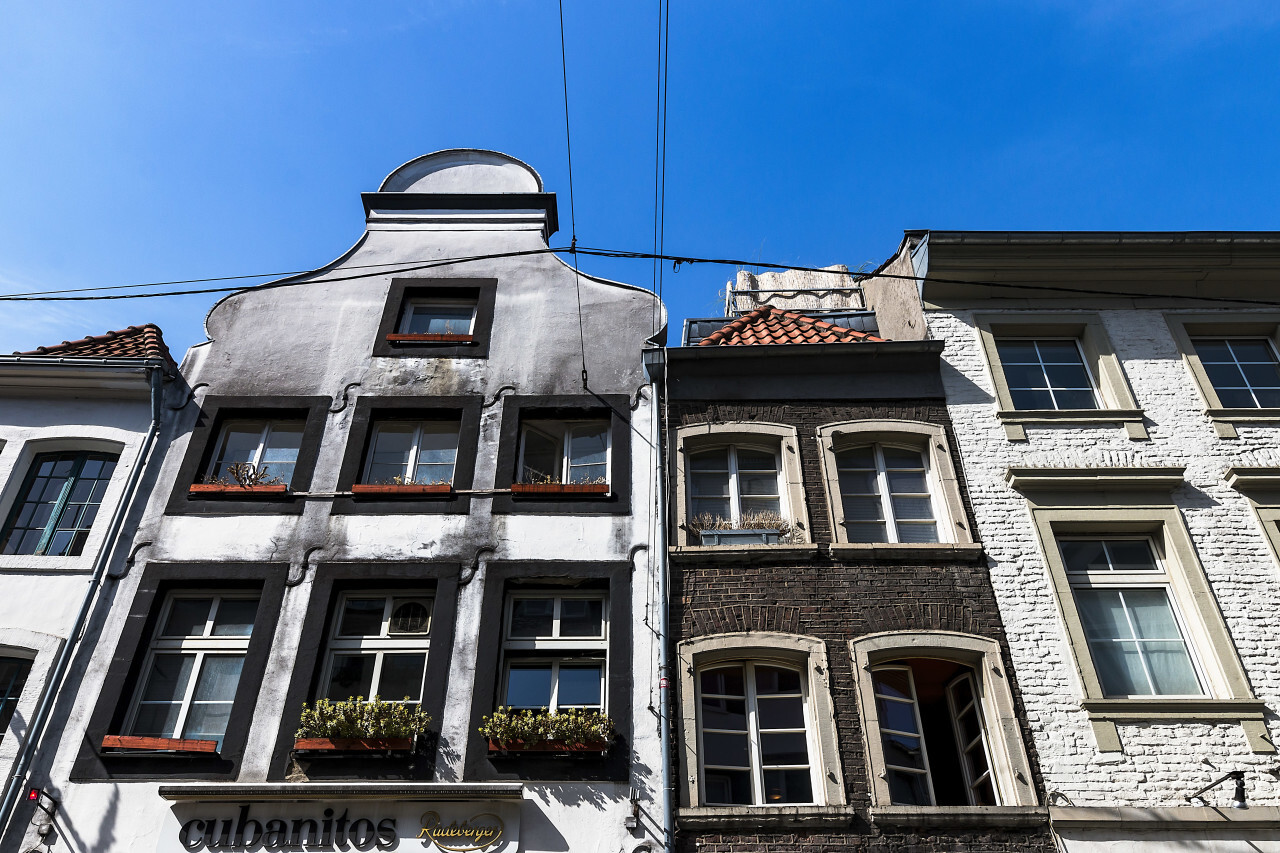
<point>573,221</point>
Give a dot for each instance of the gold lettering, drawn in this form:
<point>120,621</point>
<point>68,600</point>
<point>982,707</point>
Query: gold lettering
<point>474,834</point>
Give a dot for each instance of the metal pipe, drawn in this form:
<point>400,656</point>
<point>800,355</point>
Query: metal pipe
<point>58,672</point>
<point>659,554</point>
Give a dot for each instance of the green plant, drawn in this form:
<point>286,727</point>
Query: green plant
<point>534,727</point>
<point>356,718</point>
<point>750,520</point>
<point>535,478</point>
<point>245,474</point>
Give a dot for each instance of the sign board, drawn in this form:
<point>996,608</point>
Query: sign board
<point>437,827</point>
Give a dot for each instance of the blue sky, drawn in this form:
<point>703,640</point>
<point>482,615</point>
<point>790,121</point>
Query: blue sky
<point>154,141</point>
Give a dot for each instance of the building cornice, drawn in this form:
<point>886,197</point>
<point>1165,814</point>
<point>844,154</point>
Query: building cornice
<point>301,792</point>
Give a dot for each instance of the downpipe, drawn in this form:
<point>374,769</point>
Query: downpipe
<point>660,563</point>
<point>22,764</point>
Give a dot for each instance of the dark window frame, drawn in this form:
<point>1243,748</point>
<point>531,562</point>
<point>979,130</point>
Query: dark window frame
<point>368,410</point>
<point>214,413</point>
<point>615,407</point>
<point>483,290</point>
<point>501,578</point>
<point>112,707</point>
<point>61,504</point>
<point>332,579</point>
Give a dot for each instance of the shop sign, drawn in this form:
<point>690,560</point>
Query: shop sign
<point>454,827</point>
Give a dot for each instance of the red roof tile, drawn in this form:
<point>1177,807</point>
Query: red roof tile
<point>768,325</point>
<point>143,341</point>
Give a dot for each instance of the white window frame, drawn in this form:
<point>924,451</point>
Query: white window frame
<point>203,646</point>
<point>382,644</point>
<point>555,649</point>
<point>566,440</point>
<point>1157,578</point>
<point>1011,776</point>
<point>264,442</point>
<point>886,499</point>
<point>414,302</point>
<point>944,486</point>
<point>735,494</point>
<point>1228,339</point>
<point>1036,340</point>
<point>415,451</point>
<point>755,755</point>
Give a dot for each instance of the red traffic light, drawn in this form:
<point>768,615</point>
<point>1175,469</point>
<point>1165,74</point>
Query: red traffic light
<point>33,794</point>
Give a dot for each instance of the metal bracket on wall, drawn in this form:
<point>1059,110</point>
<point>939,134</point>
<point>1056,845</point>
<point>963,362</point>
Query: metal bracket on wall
<point>191,395</point>
<point>129,561</point>
<point>469,572</point>
<point>305,565</point>
<point>497,394</point>
<point>342,405</point>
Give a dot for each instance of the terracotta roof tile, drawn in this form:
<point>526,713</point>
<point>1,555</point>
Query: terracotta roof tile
<point>768,325</point>
<point>144,341</point>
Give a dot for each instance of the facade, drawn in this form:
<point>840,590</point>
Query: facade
<point>843,680</point>
<point>1114,405</point>
<point>423,473</point>
<point>78,424</point>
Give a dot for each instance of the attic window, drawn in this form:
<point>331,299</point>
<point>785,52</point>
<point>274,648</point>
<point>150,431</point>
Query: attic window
<point>431,320</point>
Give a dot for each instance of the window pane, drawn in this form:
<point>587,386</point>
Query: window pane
<point>1068,376</point>
<point>859,483</point>
<point>529,686</point>
<point>761,506</point>
<point>401,677</point>
<point>1251,350</point>
<point>1261,375</point>
<point>1131,555</point>
<point>1011,352</point>
<point>912,508</point>
<point>869,532</point>
<point>892,682</point>
<point>727,681</point>
<point>913,532</point>
<point>581,617</point>
<point>1171,668</point>
<point>863,509</point>
<point>218,678</point>
<point>771,679</point>
<point>1059,352</point>
<point>158,720</point>
<point>908,789</point>
<point>1024,376</point>
<point>280,456</point>
<point>542,458</point>
<point>437,453</point>
<point>351,675</point>
<point>362,617</point>
<point>783,713</point>
<point>187,617</point>
<point>756,460</point>
<point>1224,375</point>
<point>1151,614</point>
<point>579,685</point>
<point>240,441</point>
<point>728,787</point>
<point>787,786</point>
<point>857,457</point>
<point>1236,398</point>
<point>1212,350</point>
<point>709,485</point>
<point>389,457</point>
<point>758,484</point>
<point>716,509</point>
<point>1102,612</point>
<point>899,716</point>
<point>437,319</point>
<point>207,721</point>
<point>1024,399</point>
<point>903,750</point>
<point>724,714</point>
<point>1083,555</point>
<point>1119,668</point>
<point>13,678</point>
<point>532,617</point>
<point>1075,399</point>
<point>410,615</point>
<point>235,617</point>
<point>784,748</point>
<point>710,460</point>
<point>725,749</point>
<point>167,681</point>
<point>589,445</point>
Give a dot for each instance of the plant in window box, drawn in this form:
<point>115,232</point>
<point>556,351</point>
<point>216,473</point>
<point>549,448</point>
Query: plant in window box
<point>547,486</point>
<point>354,725</point>
<point>753,527</point>
<point>567,731</point>
<point>242,477</point>
<point>403,487</point>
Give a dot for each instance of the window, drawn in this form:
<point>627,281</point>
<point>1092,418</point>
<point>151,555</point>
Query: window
<point>268,447</point>
<point>554,651</point>
<point>58,504</point>
<point>892,482</point>
<point>1244,372</point>
<point>1046,374</point>
<point>754,735</point>
<point>932,734</point>
<point>564,451</point>
<point>1132,628</point>
<point>735,484</point>
<point>1056,367</point>
<point>378,646</point>
<point>193,666</point>
<point>13,677</point>
<point>438,316</point>
<point>939,721</point>
<point>412,452</point>
<point>759,728</point>
<point>885,495</point>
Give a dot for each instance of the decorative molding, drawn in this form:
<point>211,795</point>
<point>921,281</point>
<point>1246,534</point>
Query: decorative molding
<point>320,791</point>
<point>1155,819</point>
<point>960,816</point>
<point>1243,478</point>
<point>1094,479</point>
<point>1157,709</point>
<point>899,552</point>
<point>750,817</point>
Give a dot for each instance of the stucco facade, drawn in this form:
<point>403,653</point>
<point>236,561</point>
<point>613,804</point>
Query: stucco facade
<point>327,356</point>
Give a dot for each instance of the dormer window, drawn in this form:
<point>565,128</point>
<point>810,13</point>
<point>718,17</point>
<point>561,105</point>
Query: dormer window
<point>443,319</point>
<point>437,318</point>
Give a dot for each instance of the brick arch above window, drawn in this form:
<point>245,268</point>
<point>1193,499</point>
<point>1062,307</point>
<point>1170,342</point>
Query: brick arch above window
<point>781,438</point>
<point>1002,730</point>
<point>927,438</point>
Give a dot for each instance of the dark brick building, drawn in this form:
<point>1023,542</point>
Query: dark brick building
<point>842,680</point>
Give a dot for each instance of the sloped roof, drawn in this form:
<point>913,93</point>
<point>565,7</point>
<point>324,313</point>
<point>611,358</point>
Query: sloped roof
<point>768,325</point>
<point>145,341</point>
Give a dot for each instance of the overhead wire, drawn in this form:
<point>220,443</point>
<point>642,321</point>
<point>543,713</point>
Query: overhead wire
<point>573,221</point>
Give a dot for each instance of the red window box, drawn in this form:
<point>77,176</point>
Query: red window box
<point>395,338</point>
<point>170,744</point>
<point>322,744</point>
<point>219,490</point>
<point>552,490</point>
<point>371,490</point>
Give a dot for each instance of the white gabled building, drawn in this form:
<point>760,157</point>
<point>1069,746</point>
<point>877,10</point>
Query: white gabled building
<point>445,443</point>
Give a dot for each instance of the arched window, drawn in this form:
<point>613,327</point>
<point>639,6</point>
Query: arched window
<point>886,494</point>
<point>735,483</point>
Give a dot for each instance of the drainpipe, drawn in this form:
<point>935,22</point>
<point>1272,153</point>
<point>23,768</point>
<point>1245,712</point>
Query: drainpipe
<point>656,363</point>
<point>35,731</point>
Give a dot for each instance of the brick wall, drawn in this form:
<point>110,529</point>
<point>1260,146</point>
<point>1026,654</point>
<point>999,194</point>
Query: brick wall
<point>1161,764</point>
<point>836,601</point>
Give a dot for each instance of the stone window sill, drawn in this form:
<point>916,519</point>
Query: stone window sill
<point>1156,819</point>
<point>906,551</point>
<point>750,817</point>
<point>1015,420</point>
<point>959,816</point>
<point>1166,710</point>
<point>1224,420</point>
